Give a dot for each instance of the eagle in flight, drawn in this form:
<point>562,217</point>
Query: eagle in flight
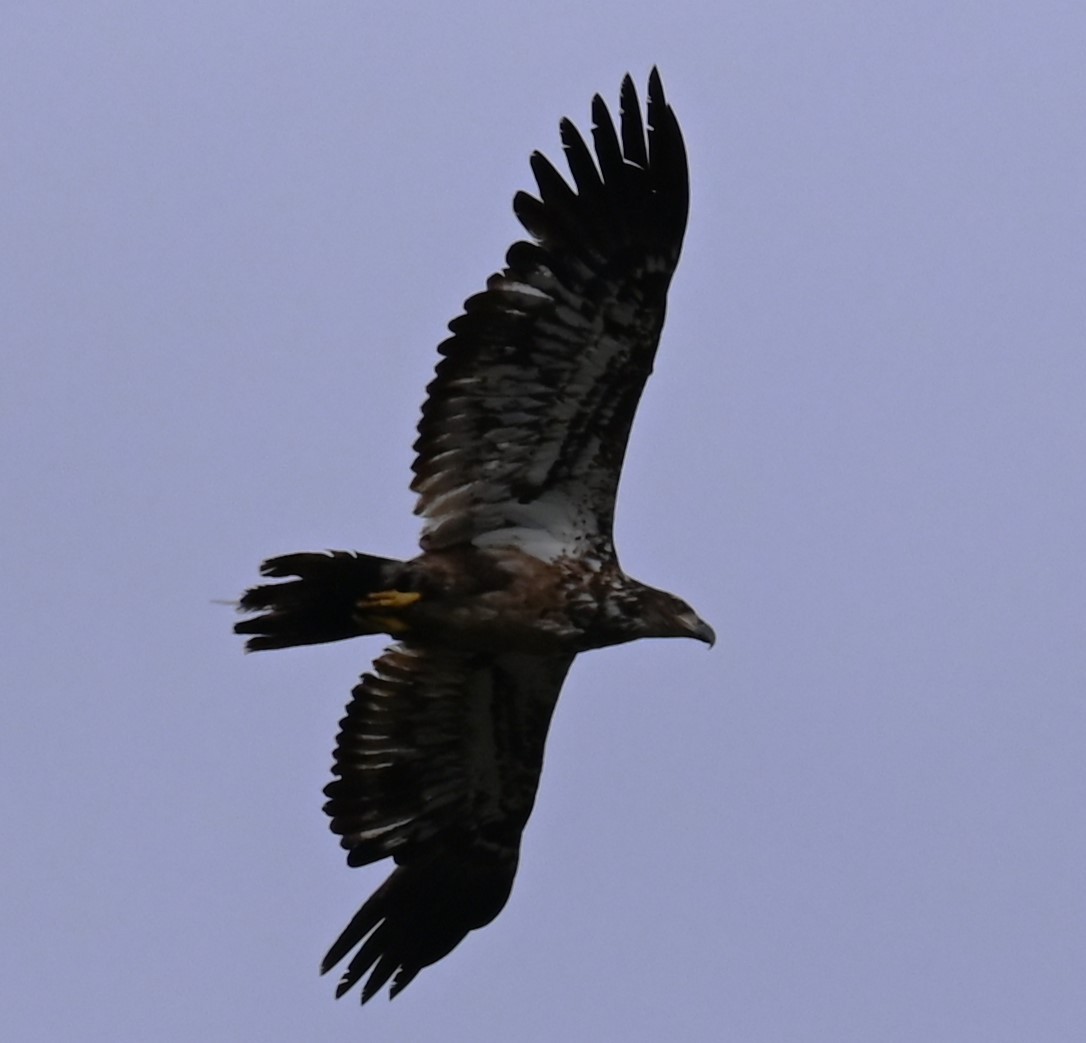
<point>520,446</point>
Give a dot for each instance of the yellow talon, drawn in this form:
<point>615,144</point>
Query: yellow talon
<point>394,599</point>
<point>374,615</point>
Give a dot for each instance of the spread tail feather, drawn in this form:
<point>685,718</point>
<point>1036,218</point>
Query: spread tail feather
<point>319,605</point>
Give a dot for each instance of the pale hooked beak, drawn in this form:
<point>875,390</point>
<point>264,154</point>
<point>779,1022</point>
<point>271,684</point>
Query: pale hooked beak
<point>700,630</point>
<point>703,632</point>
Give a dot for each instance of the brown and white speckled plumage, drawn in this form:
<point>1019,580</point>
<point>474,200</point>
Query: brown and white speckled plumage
<point>519,454</point>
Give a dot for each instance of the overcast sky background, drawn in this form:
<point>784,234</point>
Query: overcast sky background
<point>232,234</point>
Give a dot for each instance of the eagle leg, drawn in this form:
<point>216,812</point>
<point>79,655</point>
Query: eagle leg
<point>394,599</point>
<point>377,611</point>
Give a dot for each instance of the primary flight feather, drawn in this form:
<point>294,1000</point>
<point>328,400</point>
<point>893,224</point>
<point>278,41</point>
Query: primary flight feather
<point>519,453</point>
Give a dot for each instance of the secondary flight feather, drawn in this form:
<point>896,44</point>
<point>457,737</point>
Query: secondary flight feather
<point>519,454</point>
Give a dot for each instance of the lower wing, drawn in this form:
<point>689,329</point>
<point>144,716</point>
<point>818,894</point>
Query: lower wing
<point>437,764</point>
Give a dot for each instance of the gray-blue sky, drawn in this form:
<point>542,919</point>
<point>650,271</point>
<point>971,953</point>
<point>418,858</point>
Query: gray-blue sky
<point>232,235</point>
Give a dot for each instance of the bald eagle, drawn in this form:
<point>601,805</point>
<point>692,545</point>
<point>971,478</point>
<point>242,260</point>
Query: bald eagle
<point>520,447</point>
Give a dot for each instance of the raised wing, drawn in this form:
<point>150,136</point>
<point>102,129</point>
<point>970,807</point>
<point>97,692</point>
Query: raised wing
<point>525,428</point>
<point>437,764</point>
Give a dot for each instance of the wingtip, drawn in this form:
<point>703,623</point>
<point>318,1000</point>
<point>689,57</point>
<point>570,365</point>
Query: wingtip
<point>346,979</point>
<point>400,982</point>
<point>369,990</point>
<point>343,987</point>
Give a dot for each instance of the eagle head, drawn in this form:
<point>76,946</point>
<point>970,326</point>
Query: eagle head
<point>664,615</point>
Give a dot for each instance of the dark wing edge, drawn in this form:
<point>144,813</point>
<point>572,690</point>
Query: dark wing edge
<point>526,422</point>
<point>437,764</point>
